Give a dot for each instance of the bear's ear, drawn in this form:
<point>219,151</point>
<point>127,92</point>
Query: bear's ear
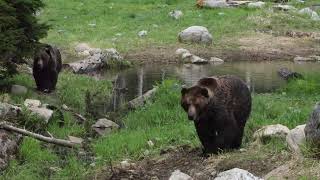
<point>205,92</point>
<point>184,91</point>
<point>210,83</point>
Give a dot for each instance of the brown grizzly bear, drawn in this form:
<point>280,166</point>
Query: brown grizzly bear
<point>219,107</point>
<point>46,67</point>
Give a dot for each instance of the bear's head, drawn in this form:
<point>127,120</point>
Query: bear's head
<point>194,100</point>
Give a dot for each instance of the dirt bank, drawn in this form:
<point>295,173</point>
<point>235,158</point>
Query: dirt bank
<point>257,47</point>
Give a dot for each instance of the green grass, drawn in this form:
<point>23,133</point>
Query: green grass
<point>70,22</point>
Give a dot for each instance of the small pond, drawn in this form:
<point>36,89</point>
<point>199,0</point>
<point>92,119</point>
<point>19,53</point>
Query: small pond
<point>261,77</point>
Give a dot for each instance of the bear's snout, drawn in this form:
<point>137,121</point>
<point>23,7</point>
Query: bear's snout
<point>192,113</point>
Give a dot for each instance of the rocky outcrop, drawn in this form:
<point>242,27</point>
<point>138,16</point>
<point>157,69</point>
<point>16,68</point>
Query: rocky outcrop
<point>312,129</point>
<point>236,174</point>
<point>8,148</point>
<point>195,34</point>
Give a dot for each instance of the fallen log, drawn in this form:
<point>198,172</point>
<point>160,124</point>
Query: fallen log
<point>141,100</point>
<point>61,142</point>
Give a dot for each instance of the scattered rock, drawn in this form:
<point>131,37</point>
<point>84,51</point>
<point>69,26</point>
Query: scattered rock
<point>268,131</point>
<point>18,90</point>
<point>141,100</point>
<point>236,174</point>
<point>287,74</point>
<point>312,129</point>
<point>150,143</point>
<point>178,175</point>
<point>104,126</point>
<point>42,112</point>
<point>8,148</point>
<point>186,57</point>
<point>142,33</point>
<point>126,164</point>
<point>76,140</point>
<point>295,138</point>
<point>308,11</point>
<point>82,49</point>
<point>213,3</point>
<point>195,34</point>
<point>258,4</point>
<point>306,59</point>
<point>9,111</point>
<point>176,14</point>
<point>216,60</point>
<point>32,103</point>
<point>284,7</point>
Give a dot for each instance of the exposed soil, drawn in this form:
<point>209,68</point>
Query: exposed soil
<point>190,161</point>
<point>257,47</point>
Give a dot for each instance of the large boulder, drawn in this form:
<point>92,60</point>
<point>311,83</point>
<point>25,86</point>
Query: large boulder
<point>178,175</point>
<point>18,90</point>
<point>104,126</point>
<point>8,148</point>
<point>295,138</point>
<point>195,34</point>
<point>236,174</point>
<point>312,129</point>
<point>271,131</point>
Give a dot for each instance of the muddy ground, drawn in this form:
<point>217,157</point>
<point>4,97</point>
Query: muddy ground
<point>190,161</point>
<point>257,47</point>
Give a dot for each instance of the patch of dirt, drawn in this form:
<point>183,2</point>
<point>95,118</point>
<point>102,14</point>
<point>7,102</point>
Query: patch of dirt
<point>190,161</point>
<point>257,47</point>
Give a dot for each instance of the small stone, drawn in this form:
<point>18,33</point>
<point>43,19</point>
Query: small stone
<point>216,60</point>
<point>214,3</point>
<point>18,90</point>
<point>221,13</point>
<point>142,33</point>
<point>55,169</point>
<point>76,140</point>
<point>243,150</point>
<point>176,14</point>
<point>32,103</point>
<point>44,113</point>
<point>150,143</point>
<point>178,175</point>
<point>126,164</point>
<point>65,107</point>
<point>181,51</point>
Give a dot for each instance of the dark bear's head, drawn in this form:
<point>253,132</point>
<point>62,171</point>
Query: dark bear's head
<point>194,100</point>
<point>43,56</point>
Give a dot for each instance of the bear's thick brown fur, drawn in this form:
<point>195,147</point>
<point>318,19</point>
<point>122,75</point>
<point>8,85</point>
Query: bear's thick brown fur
<point>46,66</point>
<point>219,107</point>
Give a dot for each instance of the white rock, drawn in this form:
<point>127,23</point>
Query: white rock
<point>181,51</point>
<point>276,130</point>
<point>198,60</point>
<point>150,143</point>
<point>236,174</point>
<point>258,4</point>
<point>176,14</point>
<point>81,47</point>
<point>308,11</point>
<point>215,3</point>
<point>195,34</point>
<point>142,33</point>
<point>178,175</point>
<point>284,7</point>
<point>104,126</point>
<point>304,59</point>
<point>295,138</point>
<point>113,54</point>
<point>44,113</point>
<point>32,103</point>
<point>216,60</point>
<point>126,164</point>
<point>18,90</point>
<point>76,140</point>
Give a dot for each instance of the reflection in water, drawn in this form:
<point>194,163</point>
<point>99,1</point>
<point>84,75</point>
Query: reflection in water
<point>260,76</point>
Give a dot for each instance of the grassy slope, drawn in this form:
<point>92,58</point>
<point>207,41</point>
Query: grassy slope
<point>70,22</point>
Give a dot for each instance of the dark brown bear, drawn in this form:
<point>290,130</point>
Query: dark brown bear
<point>219,107</point>
<point>46,67</point>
